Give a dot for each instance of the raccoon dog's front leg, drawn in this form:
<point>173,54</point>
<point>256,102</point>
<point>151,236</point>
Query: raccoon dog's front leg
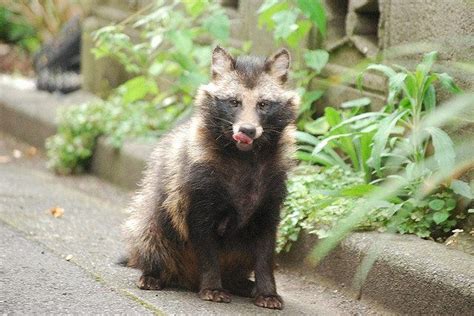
<point>205,245</point>
<point>264,278</point>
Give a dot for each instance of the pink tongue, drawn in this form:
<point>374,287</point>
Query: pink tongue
<point>242,138</point>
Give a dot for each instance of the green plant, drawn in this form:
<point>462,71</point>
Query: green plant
<point>14,29</point>
<point>174,48</point>
<point>292,22</point>
<point>392,144</point>
<point>71,148</point>
<point>315,202</point>
<point>45,16</point>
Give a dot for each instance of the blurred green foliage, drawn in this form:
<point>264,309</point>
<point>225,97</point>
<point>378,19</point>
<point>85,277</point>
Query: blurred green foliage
<point>16,30</point>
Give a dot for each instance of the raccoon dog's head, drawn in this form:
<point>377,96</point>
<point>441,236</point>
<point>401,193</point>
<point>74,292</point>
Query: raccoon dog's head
<point>246,105</point>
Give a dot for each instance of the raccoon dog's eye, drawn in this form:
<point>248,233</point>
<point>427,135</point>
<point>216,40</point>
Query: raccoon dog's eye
<point>263,105</point>
<point>234,102</point>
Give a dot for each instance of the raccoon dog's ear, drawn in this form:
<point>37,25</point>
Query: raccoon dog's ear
<point>222,62</point>
<point>278,64</point>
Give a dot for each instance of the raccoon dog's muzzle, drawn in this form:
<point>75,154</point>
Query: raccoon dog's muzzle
<point>245,134</point>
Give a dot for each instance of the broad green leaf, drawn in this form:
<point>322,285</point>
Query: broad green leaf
<point>440,217</point>
<point>218,25</point>
<point>436,204</point>
<point>443,148</point>
<point>462,188</point>
<point>448,83</point>
<point>137,88</point>
<point>429,99</point>
<point>285,24</point>
<point>308,99</point>
<point>381,138</point>
<point>356,103</point>
<point>268,10</point>
<point>316,59</point>
<point>314,9</point>
<point>299,34</point>
<point>332,116</point>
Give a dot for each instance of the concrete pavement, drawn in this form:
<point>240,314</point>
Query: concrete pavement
<point>88,234</point>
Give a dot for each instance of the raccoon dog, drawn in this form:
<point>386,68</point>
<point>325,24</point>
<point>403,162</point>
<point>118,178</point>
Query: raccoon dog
<point>207,213</point>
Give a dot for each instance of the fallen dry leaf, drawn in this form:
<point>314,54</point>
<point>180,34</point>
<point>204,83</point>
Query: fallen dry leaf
<point>5,159</point>
<point>17,154</point>
<point>56,211</point>
<point>68,257</point>
<point>31,151</point>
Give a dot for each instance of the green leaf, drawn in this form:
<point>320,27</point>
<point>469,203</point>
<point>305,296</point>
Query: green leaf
<point>428,60</point>
<point>267,4</point>
<point>381,138</point>
<point>182,40</point>
<point>218,25</point>
<point>325,141</point>
<point>448,83</point>
<point>309,98</point>
<point>440,217</point>
<point>395,84</point>
<point>268,10</point>
<point>137,88</point>
<point>295,38</point>
<point>316,59</point>
<point>356,103</point>
<point>462,188</point>
<point>317,127</point>
<point>332,116</point>
<point>314,9</point>
<point>429,99</point>
<point>195,8</point>
<point>443,148</point>
<point>285,24</point>
<point>436,204</point>
<point>389,72</point>
<point>357,190</point>
<point>303,137</point>
<point>318,159</point>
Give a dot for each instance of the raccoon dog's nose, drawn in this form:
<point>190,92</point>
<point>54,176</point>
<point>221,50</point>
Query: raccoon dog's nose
<point>248,129</point>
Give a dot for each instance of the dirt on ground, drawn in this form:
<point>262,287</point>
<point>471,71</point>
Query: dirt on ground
<point>13,60</point>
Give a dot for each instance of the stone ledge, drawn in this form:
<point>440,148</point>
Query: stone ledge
<point>30,114</point>
<point>409,276</point>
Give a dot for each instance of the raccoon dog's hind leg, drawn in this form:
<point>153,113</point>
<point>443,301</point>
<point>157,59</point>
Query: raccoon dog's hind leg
<point>144,251</point>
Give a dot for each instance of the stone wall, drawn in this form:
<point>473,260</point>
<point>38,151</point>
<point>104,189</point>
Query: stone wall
<point>357,30</point>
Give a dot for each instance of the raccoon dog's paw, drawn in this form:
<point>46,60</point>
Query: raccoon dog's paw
<point>148,282</point>
<point>215,295</point>
<point>269,301</point>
